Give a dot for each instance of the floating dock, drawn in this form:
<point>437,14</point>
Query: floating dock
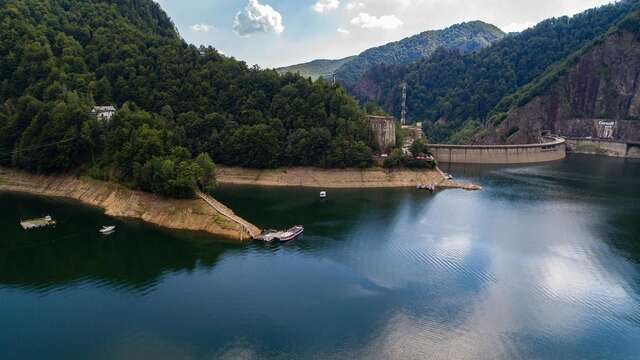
<point>282,236</point>
<point>37,223</point>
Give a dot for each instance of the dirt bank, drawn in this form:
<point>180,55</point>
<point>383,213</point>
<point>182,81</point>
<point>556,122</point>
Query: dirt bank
<point>334,178</point>
<point>116,200</point>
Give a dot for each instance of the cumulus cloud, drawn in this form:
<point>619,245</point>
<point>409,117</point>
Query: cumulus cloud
<point>355,5</point>
<point>201,27</point>
<point>342,30</point>
<point>326,5</point>
<point>257,18</point>
<point>386,22</point>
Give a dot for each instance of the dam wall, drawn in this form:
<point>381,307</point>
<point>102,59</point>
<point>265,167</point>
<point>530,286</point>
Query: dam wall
<point>604,147</point>
<point>551,150</point>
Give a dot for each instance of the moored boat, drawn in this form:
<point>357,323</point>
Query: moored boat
<point>291,234</point>
<point>107,229</point>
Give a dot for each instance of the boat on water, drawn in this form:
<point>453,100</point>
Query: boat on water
<point>269,236</point>
<point>37,223</point>
<point>107,229</point>
<point>428,187</point>
<point>323,194</point>
<point>291,234</point>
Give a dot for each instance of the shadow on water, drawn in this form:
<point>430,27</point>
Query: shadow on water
<point>134,258</point>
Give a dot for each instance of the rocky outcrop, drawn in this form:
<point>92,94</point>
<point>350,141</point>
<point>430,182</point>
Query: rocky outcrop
<point>598,96</point>
<point>116,200</point>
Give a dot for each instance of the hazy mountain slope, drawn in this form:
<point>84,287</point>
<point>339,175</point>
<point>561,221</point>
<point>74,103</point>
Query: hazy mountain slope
<point>600,82</point>
<point>464,38</point>
<point>449,88</point>
<point>316,68</point>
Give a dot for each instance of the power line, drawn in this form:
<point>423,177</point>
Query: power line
<point>16,151</point>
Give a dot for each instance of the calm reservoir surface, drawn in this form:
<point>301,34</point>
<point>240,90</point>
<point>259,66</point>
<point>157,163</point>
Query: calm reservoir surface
<point>544,263</point>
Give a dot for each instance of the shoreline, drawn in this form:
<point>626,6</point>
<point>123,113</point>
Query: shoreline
<point>119,201</point>
<point>198,215</point>
<point>370,178</point>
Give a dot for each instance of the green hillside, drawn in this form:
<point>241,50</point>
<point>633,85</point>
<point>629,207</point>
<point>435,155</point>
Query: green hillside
<point>179,106</point>
<point>450,89</point>
<point>465,37</point>
<point>316,68</point>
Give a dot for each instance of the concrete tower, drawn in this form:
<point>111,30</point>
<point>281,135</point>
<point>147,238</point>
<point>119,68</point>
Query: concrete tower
<point>403,114</point>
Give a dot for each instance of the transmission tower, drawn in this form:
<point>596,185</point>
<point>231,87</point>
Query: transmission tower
<point>403,114</point>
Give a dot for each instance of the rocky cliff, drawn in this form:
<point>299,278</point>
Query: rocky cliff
<point>594,94</point>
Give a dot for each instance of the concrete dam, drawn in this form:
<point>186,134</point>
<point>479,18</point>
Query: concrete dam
<point>552,149</point>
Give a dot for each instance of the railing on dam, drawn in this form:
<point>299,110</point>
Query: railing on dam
<point>554,148</point>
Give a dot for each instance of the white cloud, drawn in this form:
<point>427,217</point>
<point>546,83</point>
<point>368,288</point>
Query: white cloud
<point>257,18</point>
<point>201,27</point>
<point>355,4</point>
<point>342,30</point>
<point>326,5</point>
<point>517,27</point>
<point>366,21</point>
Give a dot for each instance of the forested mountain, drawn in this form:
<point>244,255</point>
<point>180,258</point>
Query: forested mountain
<point>462,38</point>
<point>598,84</point>
<point>316,69</point>
<point>179,105</point>
<point>454,92</point>
<point>465,37</point>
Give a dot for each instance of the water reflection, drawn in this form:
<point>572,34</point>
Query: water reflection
<point>133,259</point>
<point>542,264</point>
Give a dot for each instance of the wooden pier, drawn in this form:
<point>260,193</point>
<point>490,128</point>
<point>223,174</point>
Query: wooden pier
<point>37,223</point>
<point>247,231</point>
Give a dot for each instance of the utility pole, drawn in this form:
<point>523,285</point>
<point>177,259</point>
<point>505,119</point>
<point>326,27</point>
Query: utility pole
<point>403,114</point>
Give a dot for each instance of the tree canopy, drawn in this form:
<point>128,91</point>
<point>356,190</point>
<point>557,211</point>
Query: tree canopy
<point>181,107</point>
<point>449,89</point>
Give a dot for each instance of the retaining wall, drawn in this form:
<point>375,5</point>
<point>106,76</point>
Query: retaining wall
<point>604,147</point>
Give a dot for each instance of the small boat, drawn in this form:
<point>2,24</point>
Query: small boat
<point>291,234</point>
<point>37,223</point>
<point>323,194</point>
<point>428,187</point>
<point>107,229</point>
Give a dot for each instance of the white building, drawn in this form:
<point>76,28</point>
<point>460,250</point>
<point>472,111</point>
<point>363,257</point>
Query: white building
<point>103,112</point>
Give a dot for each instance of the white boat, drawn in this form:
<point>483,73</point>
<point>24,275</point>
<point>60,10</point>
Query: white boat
<point>291,234</point>
<point>107,229</point>
<point>323,194</point>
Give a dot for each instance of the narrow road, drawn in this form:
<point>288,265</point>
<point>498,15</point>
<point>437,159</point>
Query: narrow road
<point>246,226</point>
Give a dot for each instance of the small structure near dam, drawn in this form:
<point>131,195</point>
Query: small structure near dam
<point>384,129</point>
<point>554,148</point>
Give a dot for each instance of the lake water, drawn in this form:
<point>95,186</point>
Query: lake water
<point>544,263</point>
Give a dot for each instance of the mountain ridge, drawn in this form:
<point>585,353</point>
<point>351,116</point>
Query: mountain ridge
<point>600,83</point>
<point>452,92</point>
<point>464,37</point>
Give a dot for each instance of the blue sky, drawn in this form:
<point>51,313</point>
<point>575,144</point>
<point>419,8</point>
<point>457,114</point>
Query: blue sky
<point>274,33</point>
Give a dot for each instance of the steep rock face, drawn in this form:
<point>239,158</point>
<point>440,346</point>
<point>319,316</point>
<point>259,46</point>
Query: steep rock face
<point>601,90</point>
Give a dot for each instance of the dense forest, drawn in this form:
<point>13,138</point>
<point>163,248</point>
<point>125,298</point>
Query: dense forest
<point>463,38</point>
<point>453,92</point>
<point>180,108</point>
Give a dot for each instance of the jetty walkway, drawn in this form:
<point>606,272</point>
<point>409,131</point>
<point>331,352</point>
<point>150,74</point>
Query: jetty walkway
<point>246,228</point>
